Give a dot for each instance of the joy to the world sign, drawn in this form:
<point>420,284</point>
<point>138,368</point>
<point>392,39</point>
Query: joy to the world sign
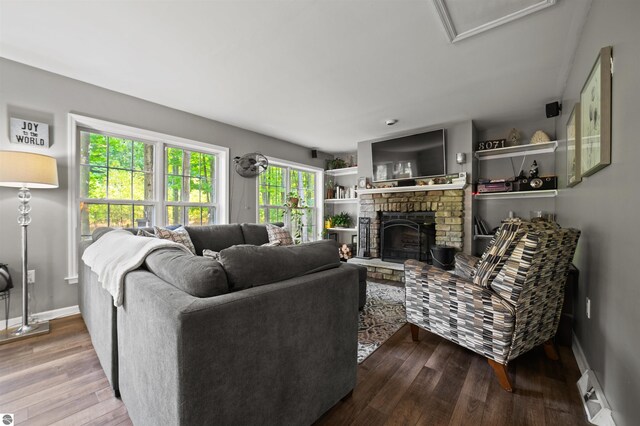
<point>30,133</point>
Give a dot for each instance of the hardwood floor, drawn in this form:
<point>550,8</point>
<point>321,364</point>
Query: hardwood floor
<point>435,382</point>
<point>57,379</point>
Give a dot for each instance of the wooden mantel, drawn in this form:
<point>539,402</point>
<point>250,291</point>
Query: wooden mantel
<point>442,187</point>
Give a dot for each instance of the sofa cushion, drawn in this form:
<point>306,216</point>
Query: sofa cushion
<point>252,266</point>
<point>256,233</point>
<point>215,237</point>
<point>180,236</point>
<point>198,276</point>
<point>277,233</point>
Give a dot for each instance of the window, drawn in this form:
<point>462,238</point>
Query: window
<point>130,177</point>
<point>116,182</point>
<point>190,187</point>
<point>274,186</point>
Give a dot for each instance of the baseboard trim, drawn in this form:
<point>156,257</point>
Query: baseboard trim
<point>606,419</point>
<point>578,353</point>
<point>44,316</point>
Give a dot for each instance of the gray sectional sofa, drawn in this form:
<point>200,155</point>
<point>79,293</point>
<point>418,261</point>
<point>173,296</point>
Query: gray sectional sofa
<point>267,335</point>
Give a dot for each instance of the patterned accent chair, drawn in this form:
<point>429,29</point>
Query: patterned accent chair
<point>501,305</point>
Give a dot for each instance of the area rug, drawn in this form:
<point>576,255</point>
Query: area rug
<point>381,317</point>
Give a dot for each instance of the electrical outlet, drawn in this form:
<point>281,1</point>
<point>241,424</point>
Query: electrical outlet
<point>588,308</point>
<point>31,276</point>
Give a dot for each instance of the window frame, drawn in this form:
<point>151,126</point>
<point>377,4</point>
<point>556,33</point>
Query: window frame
<point>77,123</point>
<point>319,195</point>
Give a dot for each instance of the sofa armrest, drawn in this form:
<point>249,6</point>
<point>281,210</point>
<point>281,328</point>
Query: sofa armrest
<point>284,351</point>
<point>466,265</point>
<point>456,309</point>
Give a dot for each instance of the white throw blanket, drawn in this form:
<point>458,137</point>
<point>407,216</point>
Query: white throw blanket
<point>118,252</point>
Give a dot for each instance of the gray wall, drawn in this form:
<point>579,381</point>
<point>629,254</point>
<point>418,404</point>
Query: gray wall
<point>604,206</point>
<point>459,138</point>
<point>31,93</point>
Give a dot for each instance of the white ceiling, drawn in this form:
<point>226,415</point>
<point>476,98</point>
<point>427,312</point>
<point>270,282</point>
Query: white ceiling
<point>319,73</point>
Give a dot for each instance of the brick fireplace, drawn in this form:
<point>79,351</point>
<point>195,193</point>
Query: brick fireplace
<point>448,206</point>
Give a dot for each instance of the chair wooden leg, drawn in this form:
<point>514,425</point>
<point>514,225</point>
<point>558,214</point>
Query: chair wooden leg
<point>503,376</point>
<point>550,350</point>
<point>415,330</point>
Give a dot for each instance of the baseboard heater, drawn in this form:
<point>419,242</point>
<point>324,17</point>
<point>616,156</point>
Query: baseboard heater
<point>595,404</point>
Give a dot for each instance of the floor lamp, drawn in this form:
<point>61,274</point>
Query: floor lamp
<point>26,170</point>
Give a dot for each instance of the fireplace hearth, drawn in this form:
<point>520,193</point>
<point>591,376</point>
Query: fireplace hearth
<point>407,236</point>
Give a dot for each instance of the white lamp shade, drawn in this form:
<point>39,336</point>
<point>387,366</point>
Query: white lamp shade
<point>25,169</point>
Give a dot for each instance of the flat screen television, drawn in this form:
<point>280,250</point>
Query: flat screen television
<point>410,157</point>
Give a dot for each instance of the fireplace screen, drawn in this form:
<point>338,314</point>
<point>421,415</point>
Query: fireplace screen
<point>407,236</point>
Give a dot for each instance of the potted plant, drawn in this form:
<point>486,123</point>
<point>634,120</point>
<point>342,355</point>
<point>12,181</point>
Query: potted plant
<point>336,163</point>
<point>341,220</point>
<point>293,199</point>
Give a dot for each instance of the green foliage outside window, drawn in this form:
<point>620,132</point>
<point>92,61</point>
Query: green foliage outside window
<point>278,183</point>
<point>117,183</point>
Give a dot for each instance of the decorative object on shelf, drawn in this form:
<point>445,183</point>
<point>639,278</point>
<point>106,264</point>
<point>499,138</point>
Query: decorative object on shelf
<point>595,116</point>
<point>536,184</point>
<point>352,161</point>
<point>514,137</point>
<point>327,222</point>
<point>341,220</point>
<point>251,165</point>
<point>336,163</point>
<point>574,176</point>
<point>330,190</point>
<point>362,182</point>
<point>533,171</point>
<point>364,237</point>
<point>26,170</point>
<point>489,145</point>
<point>539,137</point>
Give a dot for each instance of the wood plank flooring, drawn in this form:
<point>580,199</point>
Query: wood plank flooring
<point>435,382</point>
<point>56,379</point>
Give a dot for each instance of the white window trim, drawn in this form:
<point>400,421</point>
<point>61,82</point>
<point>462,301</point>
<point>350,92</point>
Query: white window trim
<point>319,199</point>
<point>76,121</point>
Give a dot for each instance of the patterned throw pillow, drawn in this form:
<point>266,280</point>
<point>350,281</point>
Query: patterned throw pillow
<point>143,233</point>
<point>215,255</point>
<point>272,244</point>
<point>279,234</point>
<point>180,235</point>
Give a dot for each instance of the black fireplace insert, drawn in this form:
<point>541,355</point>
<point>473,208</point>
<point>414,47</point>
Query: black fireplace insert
<point>407,236</point>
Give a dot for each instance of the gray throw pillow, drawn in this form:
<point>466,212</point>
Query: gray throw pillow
<point>251,266</point>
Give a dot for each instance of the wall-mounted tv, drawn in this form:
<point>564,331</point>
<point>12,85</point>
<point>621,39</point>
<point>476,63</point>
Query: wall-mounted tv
<point>410,157</point>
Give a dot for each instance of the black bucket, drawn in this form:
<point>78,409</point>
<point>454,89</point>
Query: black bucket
<point>443,257</point>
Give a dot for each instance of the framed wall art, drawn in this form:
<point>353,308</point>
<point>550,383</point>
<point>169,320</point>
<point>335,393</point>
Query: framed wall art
<point>574,176</point>
<point>595,116</point>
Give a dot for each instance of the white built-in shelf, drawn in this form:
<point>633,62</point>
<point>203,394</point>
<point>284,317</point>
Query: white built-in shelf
<point>482,237</point>
<point>345,171</point>
<point>343,229</point>
<point>442,187</point>
<point>341,200</point>
<point>546,193</point>
<point>517,151</point>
